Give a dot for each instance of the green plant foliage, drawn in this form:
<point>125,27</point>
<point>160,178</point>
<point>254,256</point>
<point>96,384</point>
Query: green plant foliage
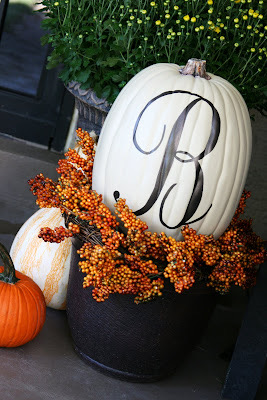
<point>102,44</point>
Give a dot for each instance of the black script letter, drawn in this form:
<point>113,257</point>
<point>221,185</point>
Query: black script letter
<point>171,153</point>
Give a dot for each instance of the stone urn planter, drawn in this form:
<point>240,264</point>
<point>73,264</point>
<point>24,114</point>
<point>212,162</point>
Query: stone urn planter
<point>92,110</point>
<point>135,342</point>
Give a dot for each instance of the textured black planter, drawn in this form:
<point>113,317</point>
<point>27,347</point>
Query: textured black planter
<point>140,343</point>
<point>92,110</point>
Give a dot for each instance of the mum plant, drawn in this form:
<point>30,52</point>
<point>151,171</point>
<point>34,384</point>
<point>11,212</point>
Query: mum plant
<point>119,253</point>
<point>102,44</point>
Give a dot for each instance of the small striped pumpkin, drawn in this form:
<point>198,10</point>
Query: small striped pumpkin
<point>46,263</point>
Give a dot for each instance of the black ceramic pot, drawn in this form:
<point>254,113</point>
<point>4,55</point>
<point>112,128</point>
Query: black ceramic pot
<point>140,343</point>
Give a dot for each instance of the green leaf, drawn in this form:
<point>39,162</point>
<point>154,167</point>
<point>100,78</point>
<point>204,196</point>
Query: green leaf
<point>45,39</point>
<point>111,61</point>
<point>91,51</point>
<point>53,60</point>
<point>82,76</point>
<point>117,77</point>
<point>106,91</point>
<point>48,22</point>
<point>64,75</point>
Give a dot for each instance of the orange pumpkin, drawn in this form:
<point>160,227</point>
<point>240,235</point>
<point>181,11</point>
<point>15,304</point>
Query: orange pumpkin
<point>22,305</point>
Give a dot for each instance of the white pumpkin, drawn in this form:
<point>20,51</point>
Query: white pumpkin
<point>177,147</point>
<point>46,263</point>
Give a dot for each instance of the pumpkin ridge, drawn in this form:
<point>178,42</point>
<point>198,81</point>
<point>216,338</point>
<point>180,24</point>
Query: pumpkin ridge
<point>36,306</point>
<point>55,274</point>
<point>22,305</point>
<point>212,88</point>
<point>21,238</point>
<point>224,161</point>
<point>29,257</point>
<point>18,313</point>
<point>240,163</point>
<point>228,205</point>
<point>14,332</point>
<point>190,89</point>
<point>3,290</point>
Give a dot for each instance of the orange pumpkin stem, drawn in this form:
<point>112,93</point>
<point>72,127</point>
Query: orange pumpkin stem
<point>195,67</point>
<point>9,273</point>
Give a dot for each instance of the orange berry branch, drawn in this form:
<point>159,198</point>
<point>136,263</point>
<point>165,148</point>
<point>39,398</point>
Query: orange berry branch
<point>135,260</point>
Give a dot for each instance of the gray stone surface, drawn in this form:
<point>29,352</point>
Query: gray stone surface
<point>48,368</point>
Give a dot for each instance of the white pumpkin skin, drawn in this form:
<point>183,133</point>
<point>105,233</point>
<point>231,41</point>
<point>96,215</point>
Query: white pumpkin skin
<point>177,148</point>
<point>46,263</point>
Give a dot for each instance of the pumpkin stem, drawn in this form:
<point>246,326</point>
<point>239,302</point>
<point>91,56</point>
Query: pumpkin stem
<point>195,67</point>
<point>8,275</point>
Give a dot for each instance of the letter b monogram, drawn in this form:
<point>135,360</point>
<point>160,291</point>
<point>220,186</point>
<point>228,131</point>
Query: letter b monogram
<point>172,153</point>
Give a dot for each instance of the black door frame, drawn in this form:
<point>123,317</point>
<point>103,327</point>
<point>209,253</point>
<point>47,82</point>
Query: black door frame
<point>43,119</point>
<point>3,10</point>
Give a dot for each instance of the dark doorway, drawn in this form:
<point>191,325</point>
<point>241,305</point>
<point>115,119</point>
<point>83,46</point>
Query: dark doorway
<point>34,104</point>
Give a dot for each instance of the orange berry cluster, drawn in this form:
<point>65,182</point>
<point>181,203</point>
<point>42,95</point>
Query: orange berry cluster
<point>56,235</point>
<point>45,191</point>
<point>129,259</point>
<point>241,206</point>
<point>241,251</point>
<point>74,228</point>
<point>110,271</point>
<point>138,240</point>
<point>73,193</point>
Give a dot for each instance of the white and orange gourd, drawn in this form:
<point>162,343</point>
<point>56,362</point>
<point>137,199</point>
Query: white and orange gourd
<point>176,145</point>
<point>46,263</point>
